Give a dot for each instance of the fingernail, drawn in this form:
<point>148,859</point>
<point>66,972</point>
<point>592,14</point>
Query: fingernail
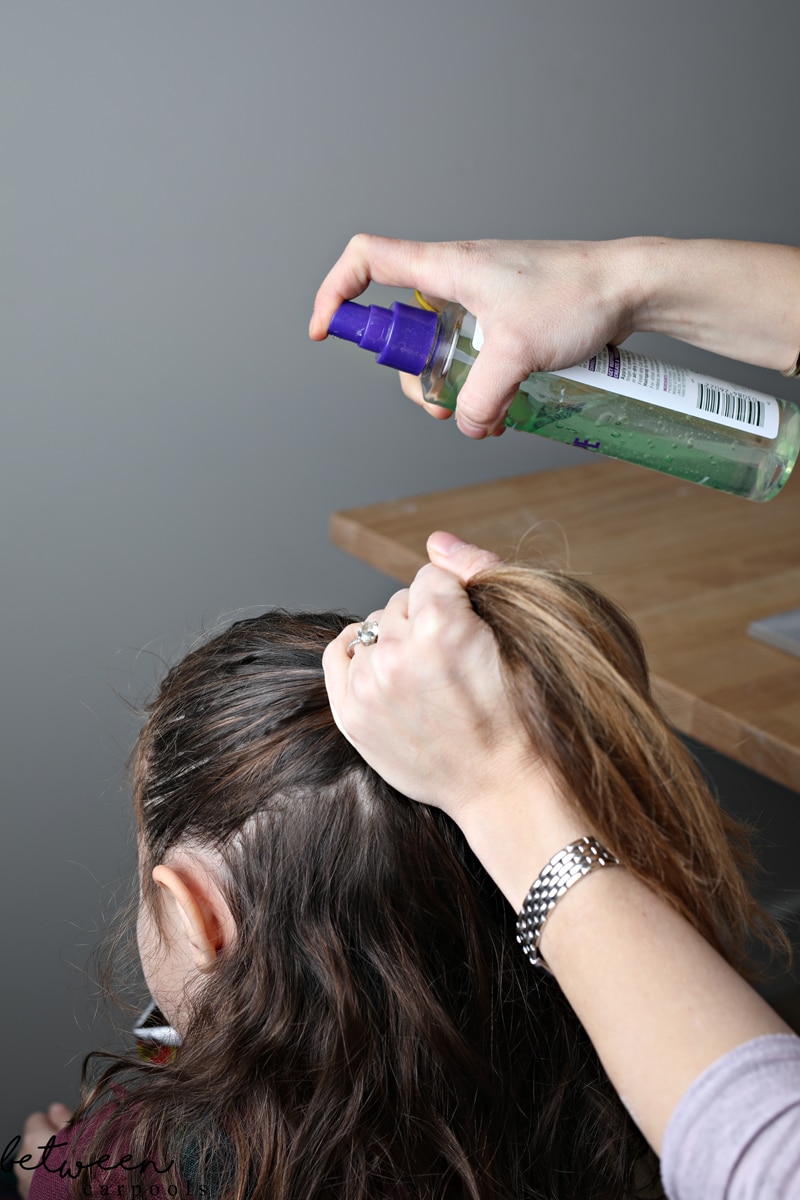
<point>447,543</point>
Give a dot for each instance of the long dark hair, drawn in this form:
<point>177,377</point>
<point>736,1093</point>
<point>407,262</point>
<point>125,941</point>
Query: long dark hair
<point>374,1030</point>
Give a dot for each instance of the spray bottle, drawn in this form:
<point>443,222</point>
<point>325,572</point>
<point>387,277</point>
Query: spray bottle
<point>617,403</point>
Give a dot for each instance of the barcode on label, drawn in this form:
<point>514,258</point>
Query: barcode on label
<point>734,405</point>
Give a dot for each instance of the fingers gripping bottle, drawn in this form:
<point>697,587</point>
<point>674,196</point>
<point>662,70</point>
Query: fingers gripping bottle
<point>624,405</point>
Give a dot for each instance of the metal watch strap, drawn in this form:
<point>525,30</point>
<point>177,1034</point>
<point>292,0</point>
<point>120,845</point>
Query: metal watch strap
<point>563,870</point>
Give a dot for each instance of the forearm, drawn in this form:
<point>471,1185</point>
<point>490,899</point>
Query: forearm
<point>659,1004</point>
<point>738,299</point>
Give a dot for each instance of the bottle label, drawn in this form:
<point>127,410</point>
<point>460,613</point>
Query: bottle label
<point>654,382</point>
<point>667,386</point>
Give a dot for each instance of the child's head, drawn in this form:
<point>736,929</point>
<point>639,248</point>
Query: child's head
<point>248,802</point>
<point>277,870</point>
<point>357,1018</point>
<point>354,989</point>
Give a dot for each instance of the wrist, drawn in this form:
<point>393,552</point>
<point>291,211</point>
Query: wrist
<point>517,827</point>
<point>736,299</point>
<point>653,270</point>
<point>626,272</point>
<point>564,869</point>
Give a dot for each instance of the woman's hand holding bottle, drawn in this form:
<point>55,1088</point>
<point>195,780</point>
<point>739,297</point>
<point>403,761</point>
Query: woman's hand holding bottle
<point>541,305</point>
<point>546,305</point>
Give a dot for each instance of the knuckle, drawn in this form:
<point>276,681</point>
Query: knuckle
<point>360,697</point>
<point>358,242</point>
<point>425,574</point>
<point>436,622</point>
<point>391,666</point>
<point>477,559</point>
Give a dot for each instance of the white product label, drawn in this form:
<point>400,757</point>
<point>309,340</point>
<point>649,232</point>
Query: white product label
<point>472,329</point>
<point>655,382</point>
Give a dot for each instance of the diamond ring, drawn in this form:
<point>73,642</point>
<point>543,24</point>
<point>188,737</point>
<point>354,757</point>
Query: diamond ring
<point>366,634</point>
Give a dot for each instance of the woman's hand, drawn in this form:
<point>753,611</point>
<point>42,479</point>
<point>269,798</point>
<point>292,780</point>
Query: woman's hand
<point>542,305</point>
<point>548,305</point>
<point>427,707</point>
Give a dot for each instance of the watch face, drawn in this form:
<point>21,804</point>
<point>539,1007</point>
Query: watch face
<point>156,1040</point>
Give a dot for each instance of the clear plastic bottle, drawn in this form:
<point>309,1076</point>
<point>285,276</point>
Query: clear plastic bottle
<point>624,405</point>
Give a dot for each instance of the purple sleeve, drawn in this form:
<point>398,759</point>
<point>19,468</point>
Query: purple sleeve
<point>735,1134</point>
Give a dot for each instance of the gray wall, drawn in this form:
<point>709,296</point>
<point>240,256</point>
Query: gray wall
<point>175,179</point>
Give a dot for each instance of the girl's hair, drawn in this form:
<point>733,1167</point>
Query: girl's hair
<point>575,667</point>
<point>374,1031</point>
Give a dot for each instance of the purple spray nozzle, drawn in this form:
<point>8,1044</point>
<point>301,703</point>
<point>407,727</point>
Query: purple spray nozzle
<point>402,336</point>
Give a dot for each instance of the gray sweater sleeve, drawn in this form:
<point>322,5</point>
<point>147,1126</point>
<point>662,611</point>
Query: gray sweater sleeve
<point>735,1134</point>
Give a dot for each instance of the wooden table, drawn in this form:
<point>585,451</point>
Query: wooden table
<point>691,566</point>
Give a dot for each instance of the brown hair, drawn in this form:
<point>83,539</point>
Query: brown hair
<point>375,1031</point>
<point>576,669</point>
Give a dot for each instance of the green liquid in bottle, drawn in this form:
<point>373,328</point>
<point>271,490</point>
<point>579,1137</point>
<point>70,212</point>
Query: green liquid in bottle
<point>623,405</point>
<point>604,422</point>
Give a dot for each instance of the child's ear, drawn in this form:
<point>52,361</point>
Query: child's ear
<point>202,913</point>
